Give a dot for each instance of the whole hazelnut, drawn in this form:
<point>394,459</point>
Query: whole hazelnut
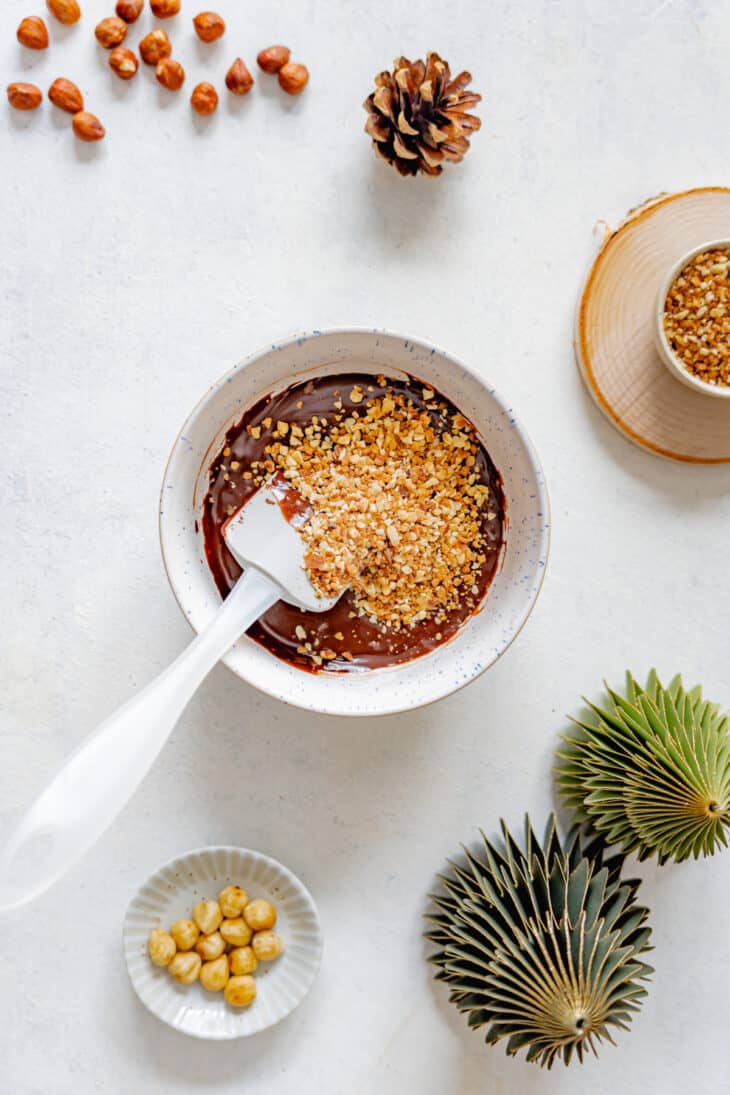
<point>185,967</point>
<point>66,11</point>
<point>154,46</point>
<point>66,96</point>
<point>129,10</point>
<point>273,58</point>
<point>123,62</point>
<point>170,74</point>
<point>24,96</point>
<point>240,991</point>
<point>33,33</point>
<point>293,78</point>
<point>239,80</point>
<point>111,32</point>
<point>87,127</point>
<point>204,99</point>
<point>209,26</point>
<point>164,9</point>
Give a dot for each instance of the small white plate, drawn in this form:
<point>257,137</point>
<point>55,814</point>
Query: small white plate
<point>170,895</point>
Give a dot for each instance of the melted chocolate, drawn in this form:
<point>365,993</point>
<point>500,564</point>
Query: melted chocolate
<point>368,645</point>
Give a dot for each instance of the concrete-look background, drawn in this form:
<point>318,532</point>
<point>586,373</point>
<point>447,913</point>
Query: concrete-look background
<point>132,274</point>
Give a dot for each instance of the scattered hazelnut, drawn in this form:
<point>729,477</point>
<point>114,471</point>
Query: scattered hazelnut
<point>87,127</point>
<point>293,78</point>
<point>214,975</point>
<point>236,932</point>
<point>207,915</point>
<point>185,933</point>
<point>232,900</point>
<point>204,99</point>
<point>260,915</point>
<point>273,58</point>
<point>242,960</point>
<point>170,74</point>
<point>66,11</point>
<point>33,33</point>
<point>129,10</point>
<point>267,946</point>
<point>185,967</point>
<point>123,62</point>
<point>161,947</point>
<point>111,32</point>
<point>24,96</point>
<point>238,79</point>
<point>210,946</point>
<point>240,991</point>
<point>66,96</point>
<point>164,9</point>
<point>154,47</point>
<point>209,26</point>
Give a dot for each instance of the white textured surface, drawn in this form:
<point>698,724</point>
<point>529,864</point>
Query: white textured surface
<point>131,276</point>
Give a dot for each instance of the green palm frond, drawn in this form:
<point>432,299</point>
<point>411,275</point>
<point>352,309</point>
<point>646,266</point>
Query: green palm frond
<point>541,945</point>
<point>652,772</point>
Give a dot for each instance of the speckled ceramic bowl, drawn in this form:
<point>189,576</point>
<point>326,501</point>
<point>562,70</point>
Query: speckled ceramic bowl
<point>515,588</point>
<point>170,895</point>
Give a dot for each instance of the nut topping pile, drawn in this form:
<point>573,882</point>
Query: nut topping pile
<point>396,504</point>
<point>697,317</point>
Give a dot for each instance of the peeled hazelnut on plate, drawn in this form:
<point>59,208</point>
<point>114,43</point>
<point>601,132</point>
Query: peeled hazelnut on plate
<point>170,74</point>
<point>240,991</point>
<point>161,947</point>
<point>293,78</point>
<point>207,915</point>
<point>111,32</point>
<point>66,96</point>
<point>272,59</point>
<point>164,9</point>
<point>209,26</point>
<point>267,946</point>
<point>204,99</point>
<point>260,914</point>
<point>236,932</point>
<point>242,960</point>
<point>129,10</point>
<point>33,33</point>
<point>239,80</point>
<point>185,933</point>
<point>24,96</point>
<point>214,975</point>
<point>210,947</point>
<point>232,900</point>
<point>185,967</point>
<point>66,11</point>
<point>87,127</point>
<point>154,47</point>
<point>123,62</point>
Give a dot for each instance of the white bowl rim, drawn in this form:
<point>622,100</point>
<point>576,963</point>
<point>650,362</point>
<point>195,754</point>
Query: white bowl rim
<point>540,484</point>
<point>671,360</point>
<point>268,861</point>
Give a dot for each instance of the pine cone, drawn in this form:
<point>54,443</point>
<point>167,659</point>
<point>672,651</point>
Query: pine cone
<point>418,115</point>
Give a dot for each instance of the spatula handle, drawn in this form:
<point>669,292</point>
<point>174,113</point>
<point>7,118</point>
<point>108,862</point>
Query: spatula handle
<point>100,777</point>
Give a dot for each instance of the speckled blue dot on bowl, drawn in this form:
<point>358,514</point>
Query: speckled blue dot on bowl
<point>512,594</point>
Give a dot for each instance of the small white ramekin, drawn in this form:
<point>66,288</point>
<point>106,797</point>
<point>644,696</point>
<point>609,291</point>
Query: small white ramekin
<point>666,353</point>
<point>515,588</point>
<point>170,895</point>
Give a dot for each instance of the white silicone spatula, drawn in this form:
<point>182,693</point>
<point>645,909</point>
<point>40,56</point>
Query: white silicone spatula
<point>83,799</point>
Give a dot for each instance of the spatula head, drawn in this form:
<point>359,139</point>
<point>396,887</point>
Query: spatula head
<point>259,535</point>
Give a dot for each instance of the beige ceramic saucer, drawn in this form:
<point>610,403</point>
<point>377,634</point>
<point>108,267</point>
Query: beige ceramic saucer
<point>614,334</point>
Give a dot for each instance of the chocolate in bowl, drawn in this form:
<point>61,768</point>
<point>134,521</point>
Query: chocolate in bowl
<point>358,642</point>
